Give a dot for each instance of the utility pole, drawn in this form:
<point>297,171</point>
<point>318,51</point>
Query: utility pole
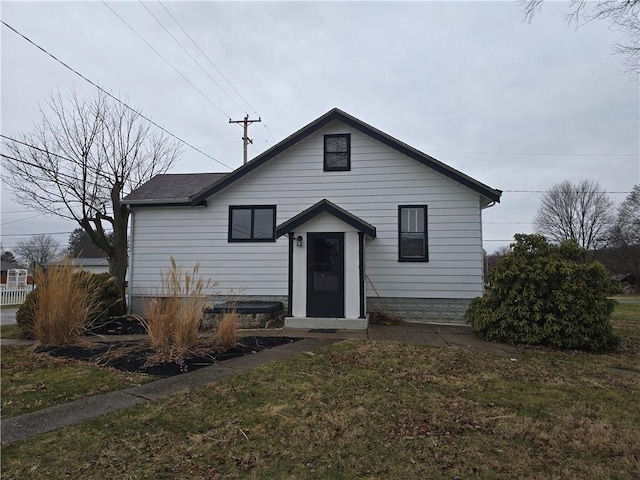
<point>245,139</point>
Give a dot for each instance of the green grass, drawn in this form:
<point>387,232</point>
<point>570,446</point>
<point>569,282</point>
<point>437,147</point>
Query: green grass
<point>33,381</point>
<point>9,331</point>
<point>627,297</point>
<point>371,410</point>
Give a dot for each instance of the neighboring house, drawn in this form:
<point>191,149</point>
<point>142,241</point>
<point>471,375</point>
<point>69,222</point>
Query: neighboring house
<point>92,265</point>
<point>337,220</point>
<point>13,276</point>
<point>4,268</point>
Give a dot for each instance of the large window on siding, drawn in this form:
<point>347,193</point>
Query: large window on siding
<point>337,152</point>
<point>255,223</point>
<point>412,233</point>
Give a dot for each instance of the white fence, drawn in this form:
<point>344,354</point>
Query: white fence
<point>14,296</point>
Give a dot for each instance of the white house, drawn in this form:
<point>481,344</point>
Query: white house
<point>92,265</point>
<point>337,220</point>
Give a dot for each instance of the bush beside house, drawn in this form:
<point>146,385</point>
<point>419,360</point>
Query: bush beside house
<point>547,294</point>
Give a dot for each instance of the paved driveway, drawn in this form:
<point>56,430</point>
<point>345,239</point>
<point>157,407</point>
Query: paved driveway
<point>8,316</point>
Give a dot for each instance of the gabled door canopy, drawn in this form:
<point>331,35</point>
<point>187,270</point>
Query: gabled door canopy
<point>321,207</point>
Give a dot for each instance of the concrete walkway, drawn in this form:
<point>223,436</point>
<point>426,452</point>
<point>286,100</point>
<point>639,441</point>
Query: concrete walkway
<point>59,416</point>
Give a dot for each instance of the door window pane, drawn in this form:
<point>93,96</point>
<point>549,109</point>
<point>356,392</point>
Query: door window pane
<point>326,264</point>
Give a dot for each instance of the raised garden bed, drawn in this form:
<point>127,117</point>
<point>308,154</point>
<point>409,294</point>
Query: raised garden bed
<point>139,357</point>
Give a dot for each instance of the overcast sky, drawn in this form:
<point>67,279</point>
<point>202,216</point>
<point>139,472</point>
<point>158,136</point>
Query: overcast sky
<point>517,106</point>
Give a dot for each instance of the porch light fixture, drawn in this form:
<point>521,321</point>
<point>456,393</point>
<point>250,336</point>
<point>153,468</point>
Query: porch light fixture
<point>299,241</point>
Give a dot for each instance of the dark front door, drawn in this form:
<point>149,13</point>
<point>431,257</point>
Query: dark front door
<point>325,275</point>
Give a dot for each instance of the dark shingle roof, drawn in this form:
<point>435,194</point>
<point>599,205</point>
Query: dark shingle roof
<point>84,262</point>
<point>8,265</point>
<point>172,188</point>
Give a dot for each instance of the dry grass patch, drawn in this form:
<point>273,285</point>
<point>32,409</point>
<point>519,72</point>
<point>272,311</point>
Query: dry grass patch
<point>367,410</point>
<point>32,381</point>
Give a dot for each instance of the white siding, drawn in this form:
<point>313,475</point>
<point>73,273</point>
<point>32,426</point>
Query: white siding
<point>380,179</point>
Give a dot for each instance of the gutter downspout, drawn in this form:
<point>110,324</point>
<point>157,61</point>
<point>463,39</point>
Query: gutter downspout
<point>130,262</point>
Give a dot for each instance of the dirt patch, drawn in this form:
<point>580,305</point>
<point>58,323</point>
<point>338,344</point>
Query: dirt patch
<point>139,357</point>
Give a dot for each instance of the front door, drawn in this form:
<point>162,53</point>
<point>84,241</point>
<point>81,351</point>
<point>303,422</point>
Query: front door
<point>325,275</point>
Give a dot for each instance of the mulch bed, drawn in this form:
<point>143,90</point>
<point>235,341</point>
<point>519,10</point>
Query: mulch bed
<point>139,357</point>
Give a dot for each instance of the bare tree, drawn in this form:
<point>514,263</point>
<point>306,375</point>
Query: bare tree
<point>623,15</point>
<point>81,160</point>
<point>8,256</point>
<point>626,236</point>
<point>39,250</point>
<point>80,245</point>
<point>582,212</point>
<point>492,259</point>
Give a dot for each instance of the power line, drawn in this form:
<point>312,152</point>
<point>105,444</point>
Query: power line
<point>208,59</point>
<point>190,56</point>
<point>547,191</point>
<point>213,64</point>
<point>20,220</point>
<point>41,167</point>
<point>18,211</point>
<point>165,60</point>
<point>31,234</point>
<point>549,154</point>
<point>114,97</point>
<point>508,223</point>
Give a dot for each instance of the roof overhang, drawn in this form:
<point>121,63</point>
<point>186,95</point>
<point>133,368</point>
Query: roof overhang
<point>325,206</point>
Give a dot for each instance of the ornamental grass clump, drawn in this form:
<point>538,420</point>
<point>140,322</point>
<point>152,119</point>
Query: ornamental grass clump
<point>172,319</point>
<point>226,334</point>
<point>63,305</point>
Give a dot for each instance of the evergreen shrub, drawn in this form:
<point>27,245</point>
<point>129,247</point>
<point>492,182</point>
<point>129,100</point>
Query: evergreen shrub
<point>547,294</point>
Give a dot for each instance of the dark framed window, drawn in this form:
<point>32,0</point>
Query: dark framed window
<point>337,152</point>
<point>412,233</point>
<point>252,223</point>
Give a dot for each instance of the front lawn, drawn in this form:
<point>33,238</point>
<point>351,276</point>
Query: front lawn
<point>33,381</point>
<point>371,410</point>
<point>10,331</point>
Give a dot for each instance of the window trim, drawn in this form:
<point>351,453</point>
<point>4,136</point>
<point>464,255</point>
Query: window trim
<point>324,157</point>
<point>252,208</point>
<point>425,257</point>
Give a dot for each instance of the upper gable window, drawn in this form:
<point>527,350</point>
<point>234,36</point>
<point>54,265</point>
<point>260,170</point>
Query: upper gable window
<point>337,152</point>
<point>252,223</point>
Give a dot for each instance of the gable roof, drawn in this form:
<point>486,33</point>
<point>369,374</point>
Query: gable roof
<point>199,196</point>
<point>172,188</point>
<point>84,262</point>
<point>328,207</point>
<point>6,265</point>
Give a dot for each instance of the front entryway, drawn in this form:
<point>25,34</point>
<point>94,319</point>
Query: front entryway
<point>325,275</point>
